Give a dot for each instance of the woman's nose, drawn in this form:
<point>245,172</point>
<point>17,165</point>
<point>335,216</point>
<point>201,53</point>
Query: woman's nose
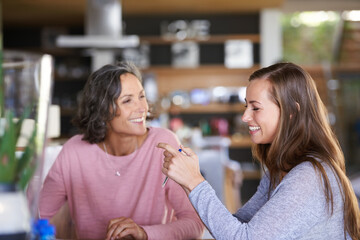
<point>246,116</point>
<point>142,106</point>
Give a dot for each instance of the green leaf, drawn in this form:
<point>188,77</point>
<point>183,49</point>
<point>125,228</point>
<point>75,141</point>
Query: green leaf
<point>27,162</point>
<point>26,176</point>
<point>7,150</point>
<point>2,99</point>
<point>16,169</point>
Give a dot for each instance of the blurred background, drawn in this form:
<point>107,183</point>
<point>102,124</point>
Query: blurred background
<point>196,58</point>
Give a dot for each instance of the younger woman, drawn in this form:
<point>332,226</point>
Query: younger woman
<point>304,193</point>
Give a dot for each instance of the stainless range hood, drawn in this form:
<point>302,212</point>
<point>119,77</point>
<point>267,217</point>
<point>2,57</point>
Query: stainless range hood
<point>97,41</point>
<point>103,29</point>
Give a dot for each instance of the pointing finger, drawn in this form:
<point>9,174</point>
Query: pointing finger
<point>168,148</point>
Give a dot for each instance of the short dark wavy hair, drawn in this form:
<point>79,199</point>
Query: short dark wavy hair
<point>98,101</point>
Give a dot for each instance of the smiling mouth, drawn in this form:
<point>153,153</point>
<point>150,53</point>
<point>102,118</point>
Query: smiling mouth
<point>251,128</point>
<point>137,120</point>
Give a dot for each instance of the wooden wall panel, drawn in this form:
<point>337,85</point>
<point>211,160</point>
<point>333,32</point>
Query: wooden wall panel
<point>170,79</point>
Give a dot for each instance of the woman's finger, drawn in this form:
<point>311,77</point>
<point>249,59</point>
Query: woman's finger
<point>168,148</point>
<point>120,229</point>
<point>167,154</point>
<point>188,151</point>
<point>164,170</point>
<point>128,232</point>
<point>167,159</point>
<point>113,224</point>
<point>115,220</point>
<point>166,165</point>
<point>110,231</point>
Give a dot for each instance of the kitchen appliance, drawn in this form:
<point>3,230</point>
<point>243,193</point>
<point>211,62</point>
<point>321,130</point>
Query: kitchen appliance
<point>103,28</point>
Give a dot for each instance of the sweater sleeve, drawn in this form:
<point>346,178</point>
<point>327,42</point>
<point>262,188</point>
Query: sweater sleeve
<point>53,193</point>
<point>260,197</point>
<point>293,208</point>
<point>187,224</point>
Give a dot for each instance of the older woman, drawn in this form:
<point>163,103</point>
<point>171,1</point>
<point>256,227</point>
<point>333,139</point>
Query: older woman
<point>110,174</point>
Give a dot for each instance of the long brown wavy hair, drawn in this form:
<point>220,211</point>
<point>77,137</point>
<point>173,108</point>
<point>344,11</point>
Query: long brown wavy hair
<point>306,133</point>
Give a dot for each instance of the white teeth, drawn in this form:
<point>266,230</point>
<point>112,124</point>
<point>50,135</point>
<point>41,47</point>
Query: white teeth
<point>253,128</point>
<point>136,120</point>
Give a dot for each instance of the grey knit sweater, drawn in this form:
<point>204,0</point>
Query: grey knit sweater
<point>296,209</point>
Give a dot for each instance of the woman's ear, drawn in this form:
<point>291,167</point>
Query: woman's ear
<point>298,108</point>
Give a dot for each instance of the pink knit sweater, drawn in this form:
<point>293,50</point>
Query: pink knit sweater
<point>83,176</point>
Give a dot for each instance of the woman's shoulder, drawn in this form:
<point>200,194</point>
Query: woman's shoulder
<point>76,146</point>
<point>310,167</point>
<point>308,172</point>
<point>303,179</point>
<point>304,170</point>
<point>158,132</point>
<point>76,142</point>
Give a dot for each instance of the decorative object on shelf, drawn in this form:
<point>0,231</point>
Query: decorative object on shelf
<point>139,55</point>
<point>25,95</point>
<point>180,98</point>
<point>184,29</point>
<point>242,94</point>
<point>223,94</point>
<point>219,126</point>
<point>220,94</point>
<point>238,54</point>
<point>200,96</point>
<point>165,103</point>
<point>185,54</point>
<point>71,68</point>
<point>150,87</point>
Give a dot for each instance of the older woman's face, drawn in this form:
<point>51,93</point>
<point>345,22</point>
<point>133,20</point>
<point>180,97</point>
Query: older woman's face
<point>132,108</point>
<point>262,115</point>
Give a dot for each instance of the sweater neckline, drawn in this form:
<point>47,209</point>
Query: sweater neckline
<point>131,155</point>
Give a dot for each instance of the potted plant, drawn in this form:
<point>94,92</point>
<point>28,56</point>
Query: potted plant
<point>25,86</point>
<point>16,169</point>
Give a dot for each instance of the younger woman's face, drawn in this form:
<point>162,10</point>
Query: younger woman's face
<point>262,114</point>
<point>132,108</point>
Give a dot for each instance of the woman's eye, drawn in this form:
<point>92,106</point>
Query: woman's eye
<point>126,101</point>
<point>254,108</point>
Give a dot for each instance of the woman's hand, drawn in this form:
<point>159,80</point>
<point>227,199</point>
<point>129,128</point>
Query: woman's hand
<point>182,168</point>
<point>125,228</point>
